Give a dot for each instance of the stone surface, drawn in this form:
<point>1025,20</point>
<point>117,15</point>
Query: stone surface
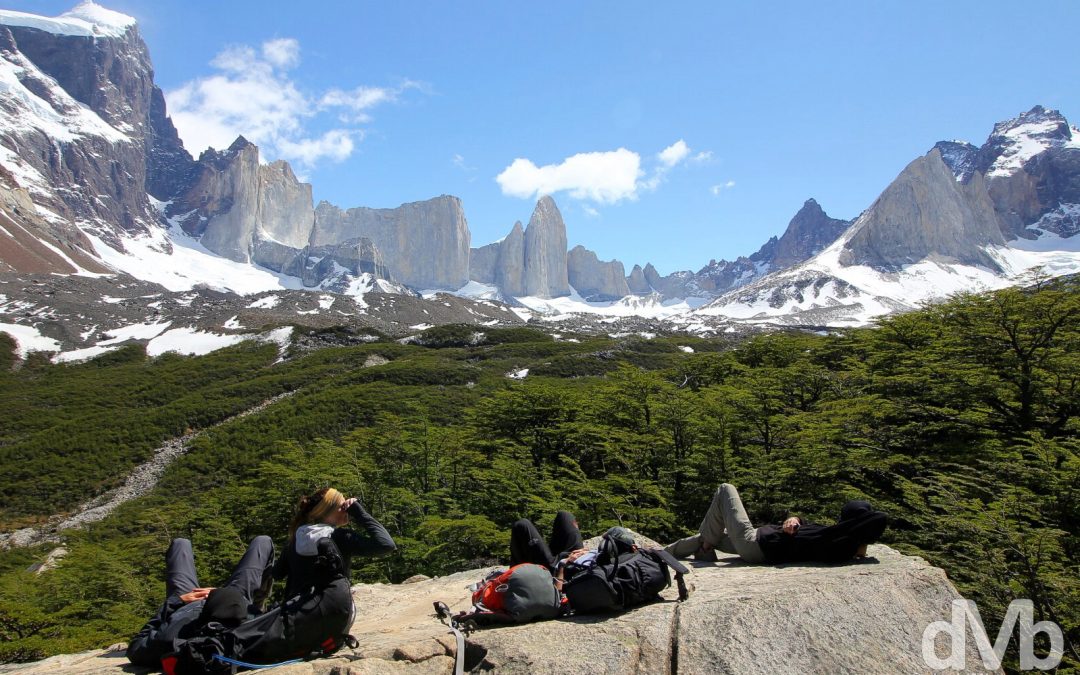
<point>482,262</point>
<point>424,244</point>
<point>510,265</point>
<point>864,617</point>
<point>594,279</point>
<point>926,212</point>
<point>545,252</point>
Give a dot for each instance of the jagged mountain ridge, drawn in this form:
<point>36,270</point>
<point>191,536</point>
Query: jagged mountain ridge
<point>254,213</point>
<point>231,222</point>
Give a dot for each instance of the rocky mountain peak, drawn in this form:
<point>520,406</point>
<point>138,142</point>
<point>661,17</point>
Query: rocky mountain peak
<point>593,279</point>
<point>807,234</point>
<point>1015,142</point>
<point>926,212</point>
<point>545,252</point>
<point>960,156</point>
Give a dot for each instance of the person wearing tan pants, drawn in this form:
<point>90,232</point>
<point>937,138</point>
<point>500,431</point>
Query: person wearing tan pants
<point>726,528</point>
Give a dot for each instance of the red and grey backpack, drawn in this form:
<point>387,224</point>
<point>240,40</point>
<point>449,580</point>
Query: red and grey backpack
<point>520,594</point>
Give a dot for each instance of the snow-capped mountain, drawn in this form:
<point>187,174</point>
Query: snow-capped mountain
<point>959,218</point>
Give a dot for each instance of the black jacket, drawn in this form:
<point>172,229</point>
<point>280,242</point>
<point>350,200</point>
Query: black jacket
<point>174,623</point>
<point>299,569</point>
<point>858,525</point>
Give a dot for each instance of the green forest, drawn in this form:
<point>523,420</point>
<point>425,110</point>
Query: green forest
<point>959,420</point>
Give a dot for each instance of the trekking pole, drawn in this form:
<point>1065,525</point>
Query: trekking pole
<point>443,612</point>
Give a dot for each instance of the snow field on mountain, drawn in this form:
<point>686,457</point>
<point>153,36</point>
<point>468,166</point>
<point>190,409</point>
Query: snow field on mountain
<point>189,264</point>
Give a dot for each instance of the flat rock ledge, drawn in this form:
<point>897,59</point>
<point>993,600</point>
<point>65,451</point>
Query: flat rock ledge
<point>864,617</point>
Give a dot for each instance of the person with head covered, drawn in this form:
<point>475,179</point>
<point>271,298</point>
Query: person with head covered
<point>728,529</point>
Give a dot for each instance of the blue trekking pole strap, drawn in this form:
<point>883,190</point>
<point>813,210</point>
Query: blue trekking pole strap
<point>254,666</point>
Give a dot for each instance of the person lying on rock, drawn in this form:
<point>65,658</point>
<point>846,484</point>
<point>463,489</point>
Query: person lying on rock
<point>727,528</point>
<point>188,607</point>
<point>324,514</point>
<point>528,546</point>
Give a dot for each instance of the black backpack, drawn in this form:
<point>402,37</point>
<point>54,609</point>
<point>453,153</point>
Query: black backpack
<point>625,581</point>
<point>312,624</point>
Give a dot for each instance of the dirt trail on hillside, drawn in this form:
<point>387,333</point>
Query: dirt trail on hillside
<point>141,480</point>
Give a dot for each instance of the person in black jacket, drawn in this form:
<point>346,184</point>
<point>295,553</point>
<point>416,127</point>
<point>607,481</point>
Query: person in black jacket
<point>527,546</point>
<point>188,607</point>
<point>322,515</point>
<point>727,528</point>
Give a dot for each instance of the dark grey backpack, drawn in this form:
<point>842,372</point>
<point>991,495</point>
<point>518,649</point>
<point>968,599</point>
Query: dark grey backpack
<point>625,581</point>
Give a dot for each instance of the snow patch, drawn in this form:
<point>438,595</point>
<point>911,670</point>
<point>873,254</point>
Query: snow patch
<point>138,331</point>
<point>189,264</point>
<point>268,302</point>
<point>29,339</point>
<point>84,354</point>
<point>191,341</point>
<point>88,19</point>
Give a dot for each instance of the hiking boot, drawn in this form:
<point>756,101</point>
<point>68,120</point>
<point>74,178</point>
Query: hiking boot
<point>702,555</point>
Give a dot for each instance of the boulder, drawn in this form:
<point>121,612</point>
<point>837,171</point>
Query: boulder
<point>863,617</point>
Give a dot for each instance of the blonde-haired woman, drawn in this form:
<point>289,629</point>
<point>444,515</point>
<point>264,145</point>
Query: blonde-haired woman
<point>324,515</point>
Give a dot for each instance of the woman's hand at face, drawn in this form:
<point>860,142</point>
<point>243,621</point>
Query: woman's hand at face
<point>791,525</point>
<point>348,502</point>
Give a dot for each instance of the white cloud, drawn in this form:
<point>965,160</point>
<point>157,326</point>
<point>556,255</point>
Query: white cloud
<point>283,52</point>
<point>600,177</point>
<point>362,99</point>
<point>717,189</point>
<point>335,145</point>
<point>603,177</point>
<point>674,153</point>
<point>670,157</point>
<point>590,211</point>
<point>253,94</point>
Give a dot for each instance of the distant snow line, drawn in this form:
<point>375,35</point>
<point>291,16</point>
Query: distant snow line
<point>141,480</point>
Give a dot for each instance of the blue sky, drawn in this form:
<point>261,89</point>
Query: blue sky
<point>379,103</point>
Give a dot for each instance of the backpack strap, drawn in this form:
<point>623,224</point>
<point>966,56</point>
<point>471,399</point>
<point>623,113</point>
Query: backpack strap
<point>680,569</point>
